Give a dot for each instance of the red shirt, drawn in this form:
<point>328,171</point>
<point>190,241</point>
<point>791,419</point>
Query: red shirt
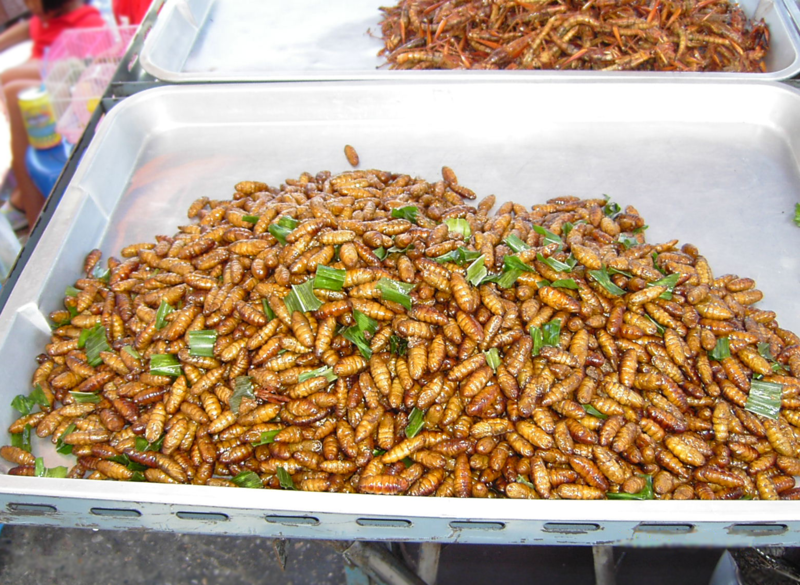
<point>131,10</point>
<point>44,32</point>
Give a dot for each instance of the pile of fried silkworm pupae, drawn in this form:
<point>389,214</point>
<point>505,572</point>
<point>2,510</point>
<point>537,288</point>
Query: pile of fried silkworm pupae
<point>585,363</point>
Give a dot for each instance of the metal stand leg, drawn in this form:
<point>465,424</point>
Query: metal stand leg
<point>428,564</point>
<point>377,563</point>
<point>604,568</point>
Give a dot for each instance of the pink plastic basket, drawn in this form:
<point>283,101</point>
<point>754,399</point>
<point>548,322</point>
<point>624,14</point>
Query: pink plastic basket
<point>76,71</point>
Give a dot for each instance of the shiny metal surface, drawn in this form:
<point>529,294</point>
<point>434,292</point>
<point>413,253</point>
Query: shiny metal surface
<point>711,163</point>
<point>267,40</point>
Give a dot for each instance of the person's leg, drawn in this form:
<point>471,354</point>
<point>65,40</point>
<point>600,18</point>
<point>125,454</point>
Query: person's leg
<point>26,197</point>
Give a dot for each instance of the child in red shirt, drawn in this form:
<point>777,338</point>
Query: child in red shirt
<point>50,18</point>
<point>130,11</point>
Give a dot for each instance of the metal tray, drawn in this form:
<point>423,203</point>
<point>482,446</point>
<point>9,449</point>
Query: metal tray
<point>266,40</point>
<point>711,163</point>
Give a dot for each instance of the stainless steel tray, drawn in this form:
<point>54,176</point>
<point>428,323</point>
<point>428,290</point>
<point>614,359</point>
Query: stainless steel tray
<point>267,40</point>
<point>714,163</point>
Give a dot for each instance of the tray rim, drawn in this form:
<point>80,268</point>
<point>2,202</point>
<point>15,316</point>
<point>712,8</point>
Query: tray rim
<point>170,8</point>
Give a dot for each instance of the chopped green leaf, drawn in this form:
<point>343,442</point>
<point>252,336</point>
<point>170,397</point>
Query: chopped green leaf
<point>140,443</point>
<point>668,281</point>
<point>164,309</point>
<point>251,218</point>
<point>396,250</point>
<point>523,481</point>
<point>132,352</point>
<point>554,264</point>
<point>381,253</point>
<point>549,237</point>
<point>156,445</point>
<point>378,452</point>
<point>611,209</point>
<point>627,241</point>
<point>283,228</point>
<point>62,447</point>
<point>764,399</point>
<point>86,397</point>
<point>591,410</point>
<point>538,340</point>
<point>569,226</point>
<point>516,244</point>
<point>101,273</point>
<point>765,352</point>
<point>460,256</point>
<point>551,333</point>
<point>288,222</point>
<point>658,267</point>
<point>722,350</point>
<point>459,226</point>
<point>126,461</point>
<point>408,462</point>
<point>567,283</point>
<point>285,479</point>
<point>398,345</point>
<point>612,270</point>
<point>267,437</point>
<point>514,263</point>
<point>323,372</point>
<point>24,440</point>
<point>22,404</point>
<point>416,420</point>
<point>357,338</point>
<point>267,310</point>
<point>165,364</point>
<point>83,337</point>
<point>138,476</point>
<point>395,291</point>
<point>41,471</point>
<point>242,387</point>
<point>365,322</point>
<point>659,327</point>
<point>604,280</point>
<point>329,278</point>
<point>492,358</point>
<point>95,343</point>
<point>302,298</point>
<point>71,291</point>
<point>477,271</point>
<point>797,214</point>
<point>248,479</point>
<point>408,212</point>
<point>640,230</point>
<point>201,343</point>
<point>646,492</point>
<point>39,397</point>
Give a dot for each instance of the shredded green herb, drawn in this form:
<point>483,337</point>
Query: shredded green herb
<point>248,479</point>
<point>721,351</point>
<point>416,420</point>
<point>459,226</point>
<point>329,278</point>
<point>764,399</point>
<point>165,364</point>
<point>408,212</point>
<point>242,387</point>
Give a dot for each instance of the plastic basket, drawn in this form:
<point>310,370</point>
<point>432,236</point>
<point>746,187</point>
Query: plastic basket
<point>76,71</point>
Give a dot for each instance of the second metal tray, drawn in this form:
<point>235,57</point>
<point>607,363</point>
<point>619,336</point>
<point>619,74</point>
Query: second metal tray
<point>267,40</point>
<point>711,163</point>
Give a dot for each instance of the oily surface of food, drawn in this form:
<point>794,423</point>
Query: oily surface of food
<point>605,35</point>
<point>375,333</point>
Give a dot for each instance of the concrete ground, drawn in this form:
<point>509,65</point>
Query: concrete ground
<point>31,555</point>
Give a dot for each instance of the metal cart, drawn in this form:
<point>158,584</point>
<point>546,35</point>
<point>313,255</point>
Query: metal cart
<point>759,130</point>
